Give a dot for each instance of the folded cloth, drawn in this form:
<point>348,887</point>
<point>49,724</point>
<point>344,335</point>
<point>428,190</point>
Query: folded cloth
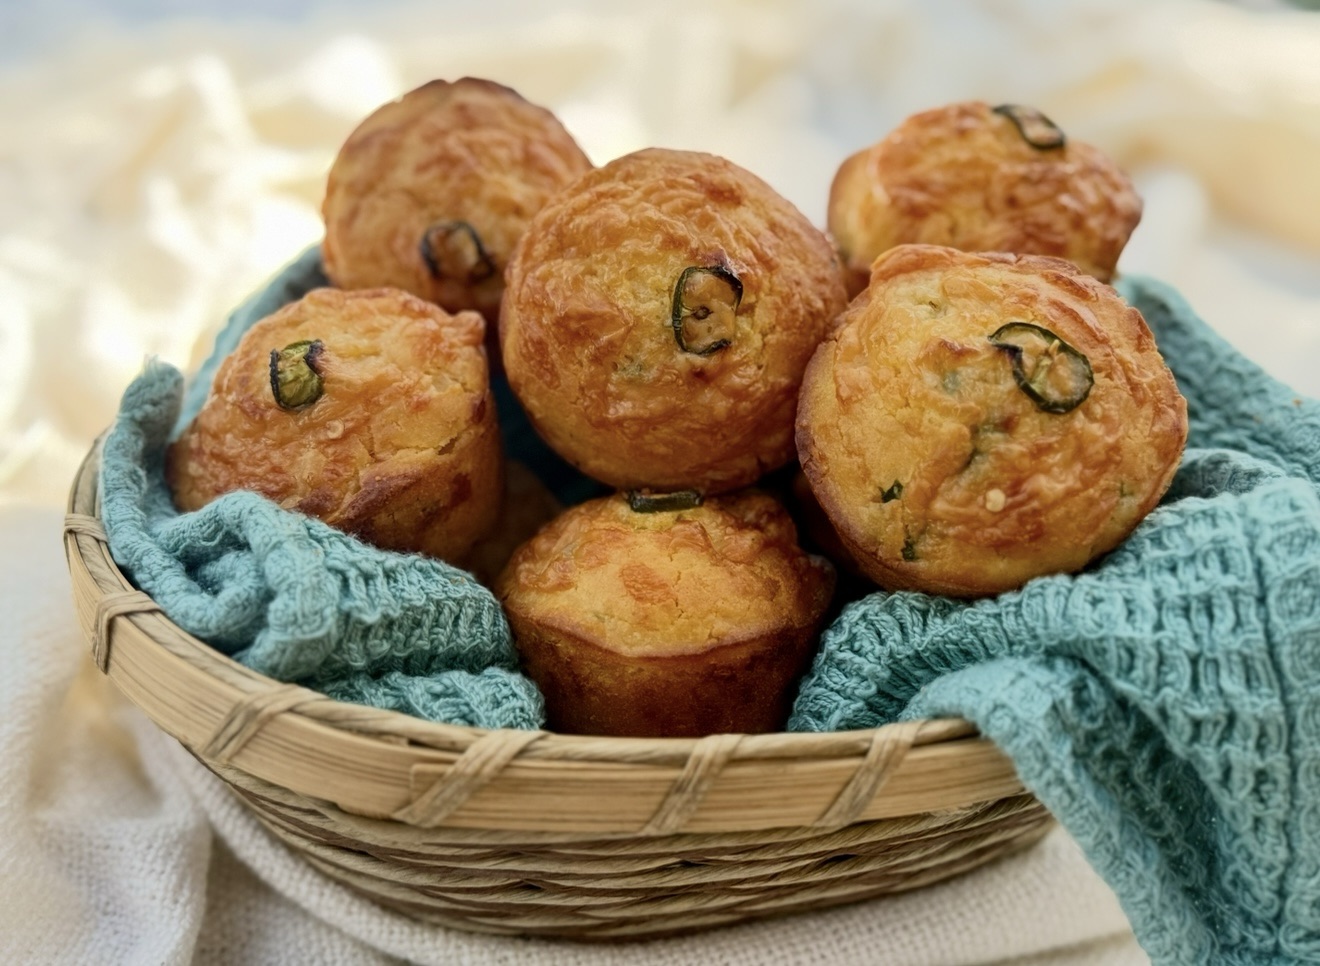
<point>291,597</point>
<point>118,847</point>
<point>1165,703</point>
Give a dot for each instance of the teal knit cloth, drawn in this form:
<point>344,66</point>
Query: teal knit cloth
<point>289,596</point>
<point>1164,704</point>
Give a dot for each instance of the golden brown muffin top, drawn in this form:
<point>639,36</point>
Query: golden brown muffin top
<point>399,379</point>
<point>671,582</point>
<point>659,315</point>
<point>983,179</point>
<point>431,192</point>
<point>957,449</point>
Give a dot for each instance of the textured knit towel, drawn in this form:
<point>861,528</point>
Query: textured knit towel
<point>1165,704</point>
<point>291,597</point>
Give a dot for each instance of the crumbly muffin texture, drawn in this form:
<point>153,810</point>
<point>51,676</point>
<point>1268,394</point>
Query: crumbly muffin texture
<point>677,622</point>
<point>528,505</point>
<point>977,420</point>
<point>384,426</point>
<point>981,178</point>
<point>431,192</point>
<point>658,318</point>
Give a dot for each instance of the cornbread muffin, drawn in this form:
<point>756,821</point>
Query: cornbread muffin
<point>978,420</point>
<point>370,410</point>
<point>528,505</point>
<point>1002,179</point>
<point>431,192</point>
<point>815,526</point>
<point>675,619</point>
<point>658,318</point>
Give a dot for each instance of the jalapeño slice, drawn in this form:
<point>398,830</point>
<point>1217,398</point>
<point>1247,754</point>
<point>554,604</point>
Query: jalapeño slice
<point>706,300</point>
<point>1052,373</point>
<point>295,380</point>
<point>453,249</point>
<point>641,502</point>
<point>1036,129</point>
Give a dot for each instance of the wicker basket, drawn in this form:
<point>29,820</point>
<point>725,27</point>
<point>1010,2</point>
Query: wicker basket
<point>556,835</point>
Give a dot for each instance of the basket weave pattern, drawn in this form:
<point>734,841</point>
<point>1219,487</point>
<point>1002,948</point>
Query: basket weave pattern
<point>556,835</point>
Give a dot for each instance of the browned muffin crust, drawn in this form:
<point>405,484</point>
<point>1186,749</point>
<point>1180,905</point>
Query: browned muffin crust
<point>528,505</point>
<point>815,525</point>
<point>672,623</point>
<point>957,450</point>
<point>400,447</point>
<point>432,191</point>
<point>968,176</point>
<point>658,318</point>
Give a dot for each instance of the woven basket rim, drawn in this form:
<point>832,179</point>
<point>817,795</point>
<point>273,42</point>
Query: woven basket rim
<point>457,764</point>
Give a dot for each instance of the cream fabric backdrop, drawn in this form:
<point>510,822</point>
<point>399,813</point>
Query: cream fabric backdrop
<point>151,177</point>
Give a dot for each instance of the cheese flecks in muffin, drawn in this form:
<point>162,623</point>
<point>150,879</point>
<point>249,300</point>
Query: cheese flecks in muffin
<point>681,621</point>
<point>658,318</point>
<point>432,191</point>
<point>978,420</point>
<point>370,410</point>
<point>977,178</point>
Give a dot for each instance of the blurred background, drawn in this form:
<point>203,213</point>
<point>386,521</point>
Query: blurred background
<point>159,159</point>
